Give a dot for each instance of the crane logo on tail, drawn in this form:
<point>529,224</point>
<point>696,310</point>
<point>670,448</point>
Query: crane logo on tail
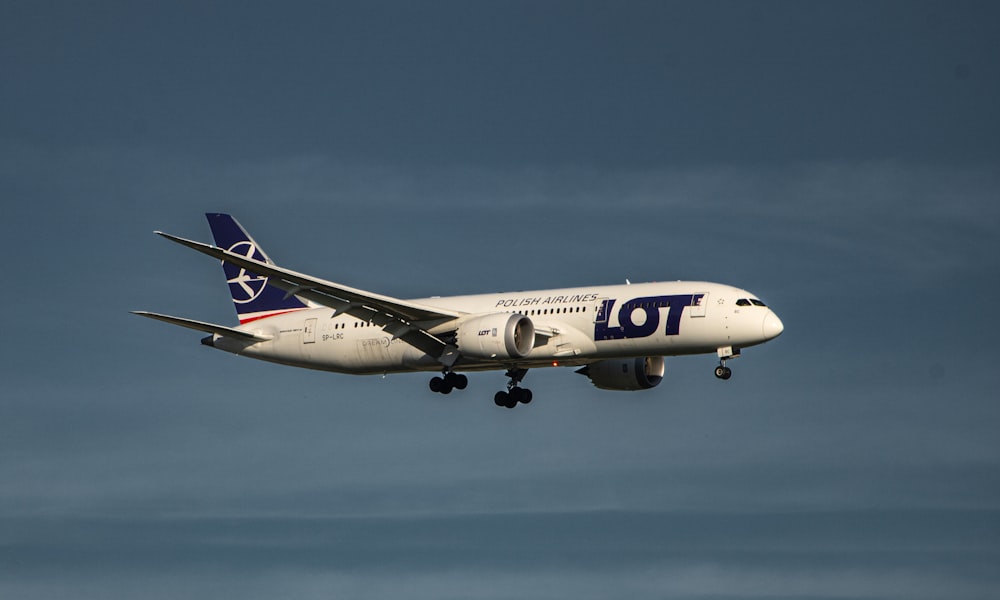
<point>244,285</point>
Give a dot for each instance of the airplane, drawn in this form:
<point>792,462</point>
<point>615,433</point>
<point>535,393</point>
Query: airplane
<point>616,335</point>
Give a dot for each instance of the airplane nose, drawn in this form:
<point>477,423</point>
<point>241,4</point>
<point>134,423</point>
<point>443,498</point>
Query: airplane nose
<point>772,326</point>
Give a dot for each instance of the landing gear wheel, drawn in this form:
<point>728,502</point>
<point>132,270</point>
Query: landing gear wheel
<point>515,394</point>
<point>450,381</point>
<point>458,381</point>
<point>723,372</point>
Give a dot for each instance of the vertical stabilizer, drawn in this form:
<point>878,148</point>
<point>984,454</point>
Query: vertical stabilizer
<point>254,299</point>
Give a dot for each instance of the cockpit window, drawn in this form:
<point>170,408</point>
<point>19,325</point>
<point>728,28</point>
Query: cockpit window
<point>742,302</point>
<point>757,302</point>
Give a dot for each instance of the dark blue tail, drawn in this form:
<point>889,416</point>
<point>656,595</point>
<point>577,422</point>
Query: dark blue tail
<point>254,299</point>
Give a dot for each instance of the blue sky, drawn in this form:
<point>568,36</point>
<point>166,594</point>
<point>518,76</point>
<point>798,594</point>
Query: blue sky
<point>838,159</point>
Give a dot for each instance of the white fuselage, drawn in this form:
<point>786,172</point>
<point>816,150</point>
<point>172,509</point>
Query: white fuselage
<point>573,327</point>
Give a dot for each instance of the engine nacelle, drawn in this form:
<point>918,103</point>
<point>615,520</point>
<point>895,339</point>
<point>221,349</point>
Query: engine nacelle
<point>496,337</point>
<point>627,374</point>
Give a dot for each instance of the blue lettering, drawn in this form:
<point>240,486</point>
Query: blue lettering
<point>650,306</point>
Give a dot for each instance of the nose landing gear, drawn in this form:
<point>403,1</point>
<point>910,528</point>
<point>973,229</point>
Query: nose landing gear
<point>723,372</point>
<point>725,353</point>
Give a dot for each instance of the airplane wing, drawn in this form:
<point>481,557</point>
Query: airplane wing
<point>203,326</point>
<point>405,320</point>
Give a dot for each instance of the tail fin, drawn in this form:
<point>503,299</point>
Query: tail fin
<point>254,299</point>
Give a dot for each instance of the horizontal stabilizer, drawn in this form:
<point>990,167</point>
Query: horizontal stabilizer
<point>202,326</point>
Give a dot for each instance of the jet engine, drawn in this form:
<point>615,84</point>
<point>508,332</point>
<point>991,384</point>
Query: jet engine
<point>627,374</point>
<point>497,336</point>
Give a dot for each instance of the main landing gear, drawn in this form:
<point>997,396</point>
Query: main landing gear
<point>514,394</point>
<point>450,381</point>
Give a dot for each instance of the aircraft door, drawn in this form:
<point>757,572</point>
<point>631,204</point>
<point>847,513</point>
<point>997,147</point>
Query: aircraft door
<point>309,332</point>
<point>602,311</point>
